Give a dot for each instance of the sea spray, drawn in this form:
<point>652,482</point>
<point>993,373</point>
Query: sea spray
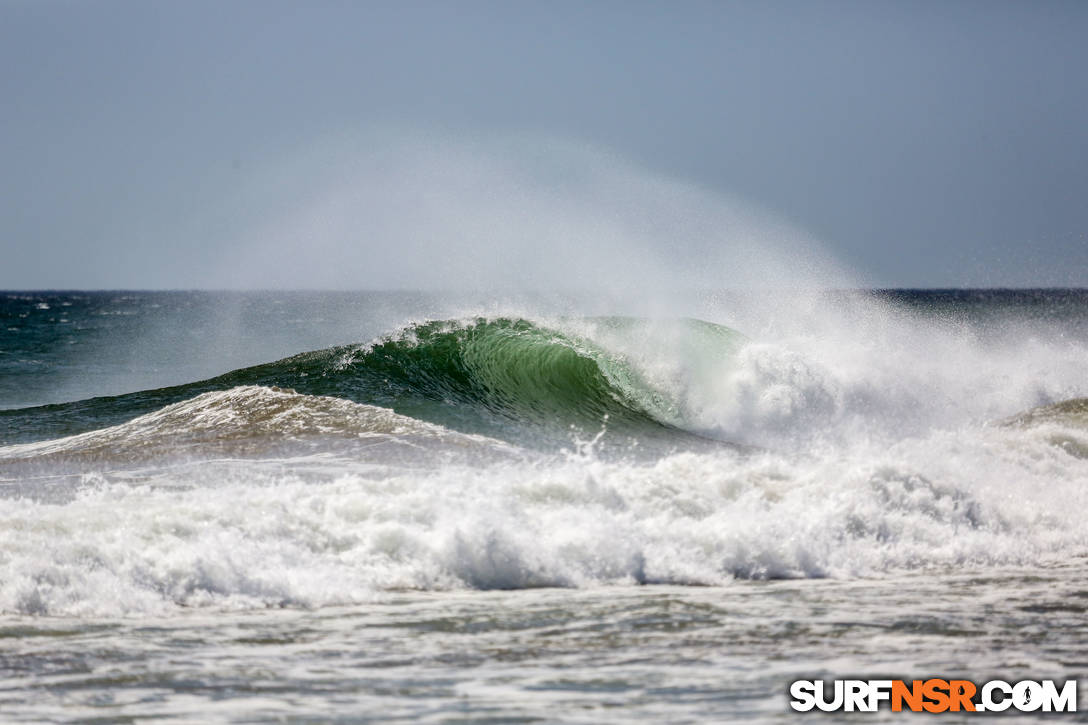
<point>872,446</point>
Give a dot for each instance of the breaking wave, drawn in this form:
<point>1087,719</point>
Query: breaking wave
<point>479,376</point>
<point>506,453</point>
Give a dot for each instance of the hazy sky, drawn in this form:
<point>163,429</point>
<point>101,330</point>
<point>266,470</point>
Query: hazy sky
<point>345,144</point>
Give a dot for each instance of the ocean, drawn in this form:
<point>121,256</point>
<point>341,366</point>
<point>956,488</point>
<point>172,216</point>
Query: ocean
<point>426,507</point>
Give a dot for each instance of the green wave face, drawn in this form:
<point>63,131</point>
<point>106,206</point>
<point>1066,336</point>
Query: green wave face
<point>488,375</point>
<point>509,378</point>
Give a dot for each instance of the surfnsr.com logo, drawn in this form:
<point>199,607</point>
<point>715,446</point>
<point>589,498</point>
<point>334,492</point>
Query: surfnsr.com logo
<point>933,695</point>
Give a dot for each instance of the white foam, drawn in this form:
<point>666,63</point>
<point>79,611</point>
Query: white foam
<point>843,371</point>
<point>247,420</point>
<point>251,534</point>
<point>883,454</point>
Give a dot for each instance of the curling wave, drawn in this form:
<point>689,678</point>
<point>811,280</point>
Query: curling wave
<point>427,460</point>
<point>493,377</point>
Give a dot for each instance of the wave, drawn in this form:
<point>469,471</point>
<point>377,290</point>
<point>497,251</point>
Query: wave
<point>487,376</point>
<point>244,534</point>
<point>341,475</point>
<point>1063,424</point>
<point>247,422</point>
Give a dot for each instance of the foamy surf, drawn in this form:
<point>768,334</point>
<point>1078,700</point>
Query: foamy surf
<point>556,490</point>
<point>511,453</point>
<point>344,527</point>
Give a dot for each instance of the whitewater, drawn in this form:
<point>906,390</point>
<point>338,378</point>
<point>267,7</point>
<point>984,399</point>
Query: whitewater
<point>430,510</point>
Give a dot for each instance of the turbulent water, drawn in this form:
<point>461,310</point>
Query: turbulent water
<point>387,506</point>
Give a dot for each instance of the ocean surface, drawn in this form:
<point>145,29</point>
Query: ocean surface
<point>407,507</point>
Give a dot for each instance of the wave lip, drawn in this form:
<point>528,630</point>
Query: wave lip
<point>519,370</point>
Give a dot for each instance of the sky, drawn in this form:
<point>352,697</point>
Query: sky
<point>257,144</point>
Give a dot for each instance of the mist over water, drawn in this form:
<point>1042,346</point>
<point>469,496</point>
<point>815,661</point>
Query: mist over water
<point>835,434</point>
<point>506,362</point>
<point>609,382</point>
<point>685,383</point>
<point>380,209</point>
